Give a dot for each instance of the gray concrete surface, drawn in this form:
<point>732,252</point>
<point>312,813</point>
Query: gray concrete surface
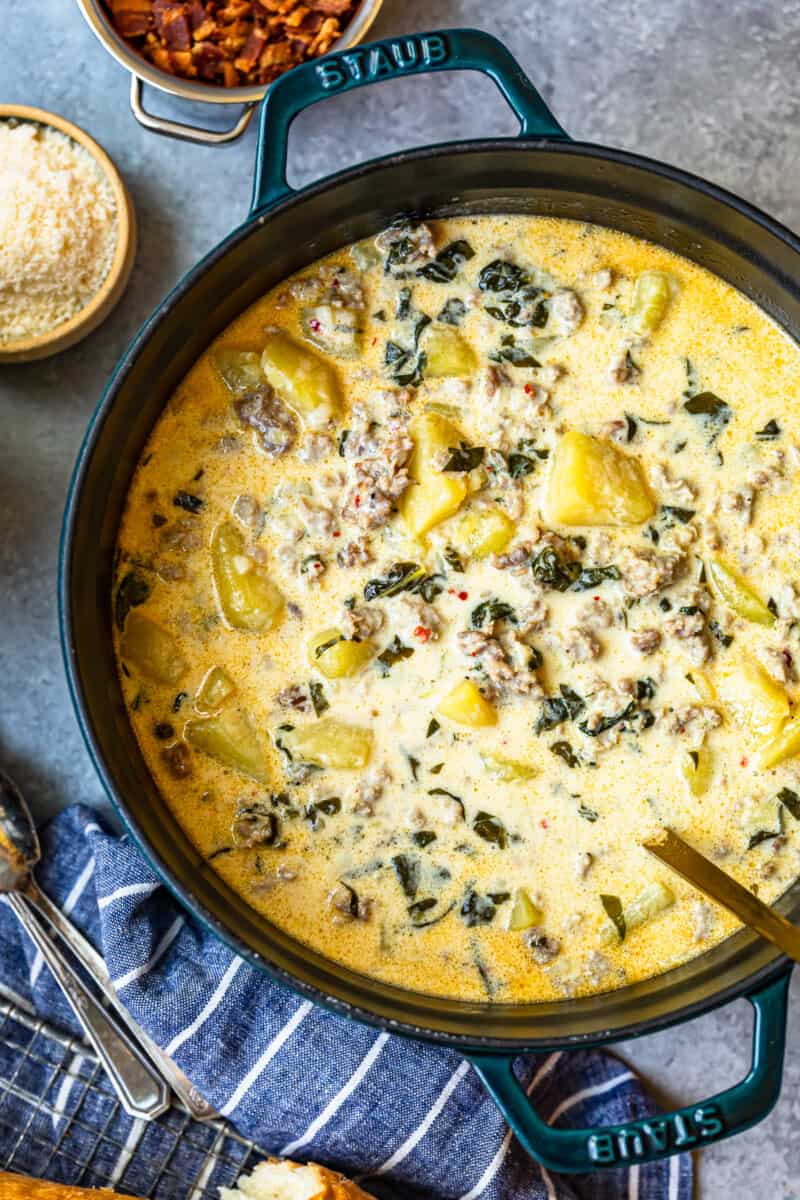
<point>706,84</point>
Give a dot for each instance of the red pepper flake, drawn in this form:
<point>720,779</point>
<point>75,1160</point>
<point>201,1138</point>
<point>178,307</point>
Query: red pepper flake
<point>374,340</point>
<point>314,325</point>
<point>463,595</point>
<point>743,761</point>
<point>543,823</point>
<point>529,389</point>
<point>422,633</point>
<point>337,533</point>
<point>357,500</point>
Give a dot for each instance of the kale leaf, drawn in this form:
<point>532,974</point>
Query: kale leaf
<point>491,829</point>
<point>132,591</point>
<point>448,262</point>
<point>453,312</point>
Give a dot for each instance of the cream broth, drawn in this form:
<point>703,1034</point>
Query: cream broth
<point>485,572</point>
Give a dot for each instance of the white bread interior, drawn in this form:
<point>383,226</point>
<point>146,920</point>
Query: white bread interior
<point>277,1179</point>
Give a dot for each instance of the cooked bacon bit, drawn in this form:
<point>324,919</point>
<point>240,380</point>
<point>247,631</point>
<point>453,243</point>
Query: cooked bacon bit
<point>251,51</point>
<point>197,18</point>
<point>422,633</point>
<point>207,58</point>
<point>331,8</point>
<point>176,32</point>
<point>132,18</point>
<point>233,44</point>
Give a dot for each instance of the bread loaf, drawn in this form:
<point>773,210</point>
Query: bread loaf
<point>274,1179</point>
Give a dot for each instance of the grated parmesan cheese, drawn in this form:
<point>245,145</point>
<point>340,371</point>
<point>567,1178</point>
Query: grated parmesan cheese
<point>58,229</point>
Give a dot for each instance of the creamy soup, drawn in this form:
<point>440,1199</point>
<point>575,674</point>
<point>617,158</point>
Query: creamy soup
<point>458,566</point>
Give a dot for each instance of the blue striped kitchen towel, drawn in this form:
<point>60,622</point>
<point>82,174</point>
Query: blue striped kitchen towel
<point>412,1121</point>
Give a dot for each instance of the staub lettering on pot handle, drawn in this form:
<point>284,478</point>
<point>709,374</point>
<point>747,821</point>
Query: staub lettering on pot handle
<point>382,60</point>
<point>442,50</point>
<point>671,1133</point>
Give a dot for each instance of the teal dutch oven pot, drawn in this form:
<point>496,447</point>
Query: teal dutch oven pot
<point>539,172</point>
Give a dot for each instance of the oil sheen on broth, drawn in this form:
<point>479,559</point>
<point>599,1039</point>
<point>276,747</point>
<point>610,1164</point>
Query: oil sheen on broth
<point>461,563</point>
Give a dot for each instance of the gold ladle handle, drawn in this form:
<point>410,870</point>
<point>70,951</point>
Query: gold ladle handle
<point>672,850</point>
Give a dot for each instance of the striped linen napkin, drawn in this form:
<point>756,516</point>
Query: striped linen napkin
<point>413,1122</point>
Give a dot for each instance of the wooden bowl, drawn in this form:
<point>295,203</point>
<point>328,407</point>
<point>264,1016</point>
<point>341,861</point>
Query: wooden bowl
<point>100,305</point>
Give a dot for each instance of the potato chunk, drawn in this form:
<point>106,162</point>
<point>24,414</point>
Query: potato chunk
<point>523,913</point>
<point>447,353</point>
<point>697,768</point>
<point>483,532</point>
<point>755,701</point>
<point>248,598</point>
<point>336,656</point>
<point>510,770</point>
<point>239,370</point>
<point>703,686</point>
<point>230,739</point>
<point>329,743</point>
<point>731,590</point>
<point>593,482</point>
<point>152,650</point>
<point>301,378</point>
<point>651,901</point>
<point>785,744</point>
<point>434,494</point>
<point>467,706</point>
<point>760,815</point>
<point>652,294</point>
<point>214,691</point>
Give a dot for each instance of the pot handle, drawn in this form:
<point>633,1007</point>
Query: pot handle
<point>186,133</point>
<point>572,1151</point>
<point>417,54</point>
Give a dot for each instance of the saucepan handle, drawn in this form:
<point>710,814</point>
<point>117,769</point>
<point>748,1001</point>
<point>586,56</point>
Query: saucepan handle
<point>573,1151</point>
<point>414,54</point>
<point>186,133</point>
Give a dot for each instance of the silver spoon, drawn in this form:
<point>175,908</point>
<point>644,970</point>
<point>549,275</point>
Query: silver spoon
<point>95,966</point>
<point>141,1092</point>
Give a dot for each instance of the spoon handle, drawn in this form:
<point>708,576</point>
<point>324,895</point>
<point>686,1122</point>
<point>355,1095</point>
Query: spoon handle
<point>95,967</point>
<point>141,1092</point>
<point>671,849</point>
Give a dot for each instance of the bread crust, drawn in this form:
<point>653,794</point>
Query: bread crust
<point>332,1186</point>
<point>17,1187</point>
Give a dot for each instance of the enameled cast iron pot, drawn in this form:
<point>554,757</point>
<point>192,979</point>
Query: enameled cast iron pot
<point>541,172</point>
